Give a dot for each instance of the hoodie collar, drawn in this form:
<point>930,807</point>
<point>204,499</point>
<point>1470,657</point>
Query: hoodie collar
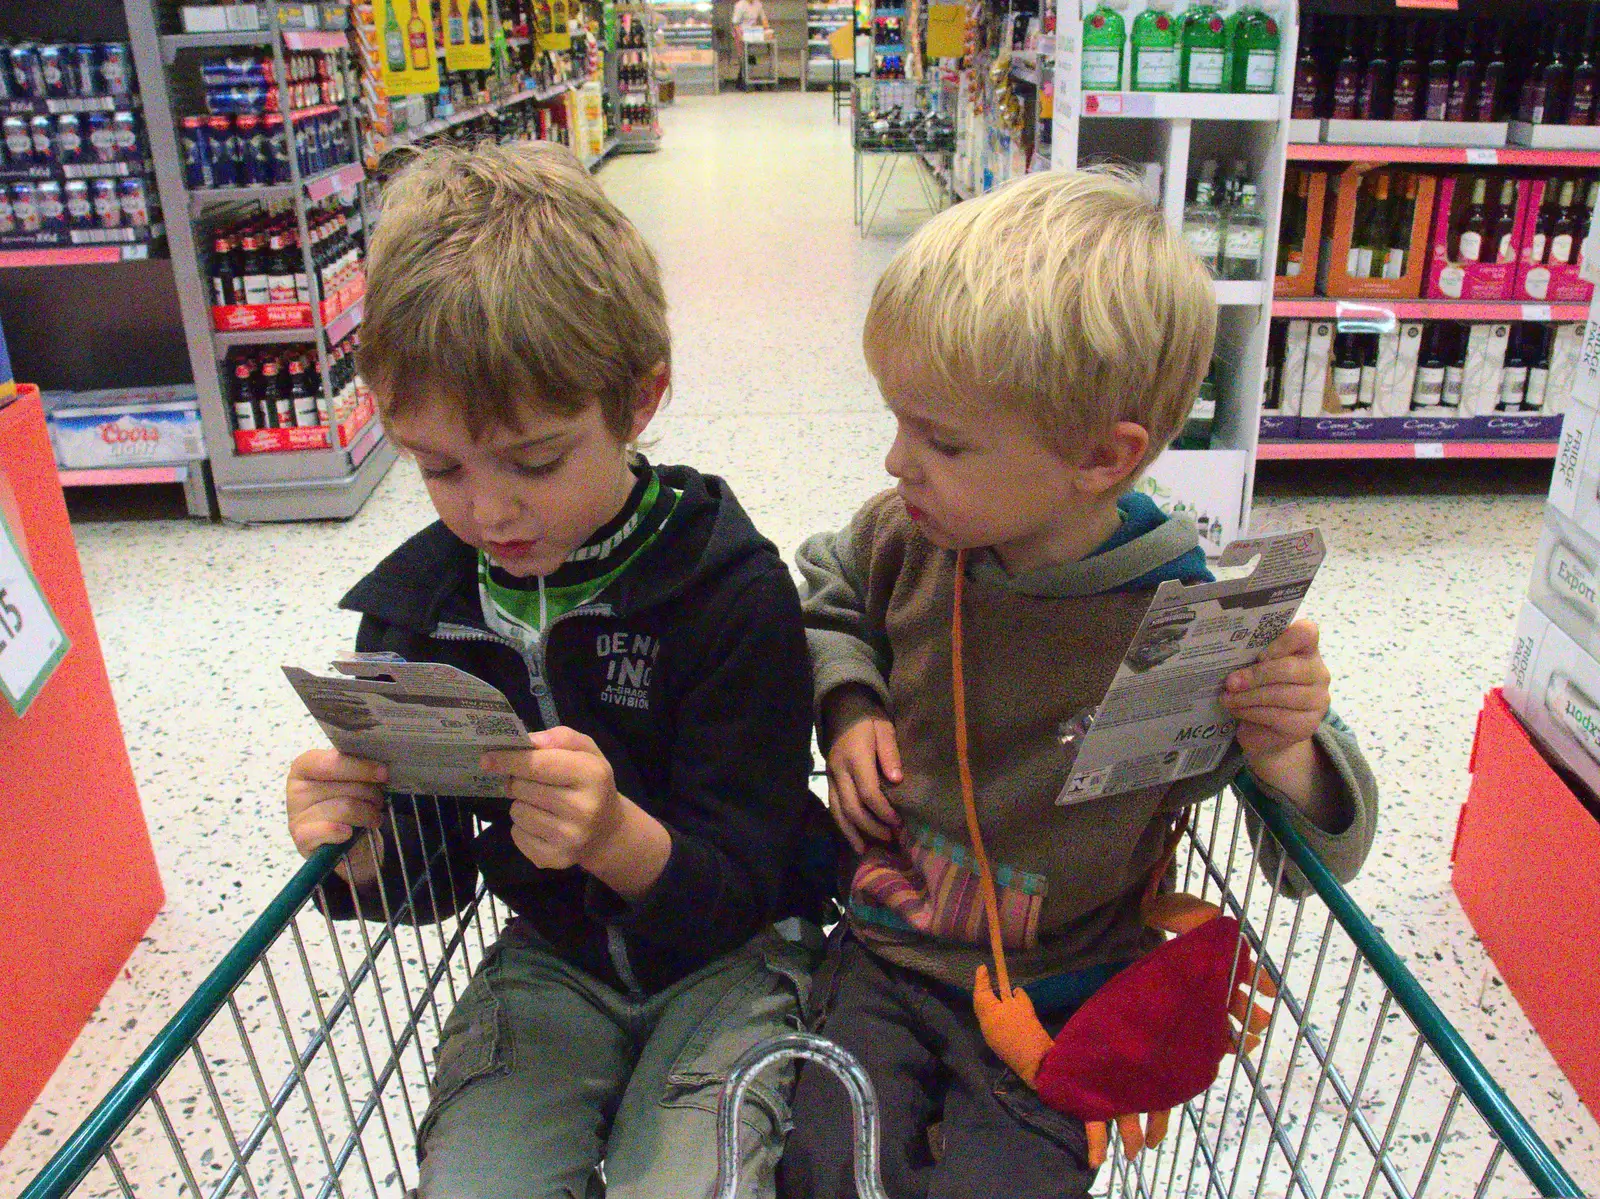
<point>433,575</point>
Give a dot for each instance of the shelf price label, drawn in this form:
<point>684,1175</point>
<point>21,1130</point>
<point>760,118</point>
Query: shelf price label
<point>32,642</point>
<point>1537,312</point>
<point>1483,156</point>
<point>1430,449</point>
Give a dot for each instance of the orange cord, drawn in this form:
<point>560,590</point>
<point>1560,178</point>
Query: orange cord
<point>991,901</point>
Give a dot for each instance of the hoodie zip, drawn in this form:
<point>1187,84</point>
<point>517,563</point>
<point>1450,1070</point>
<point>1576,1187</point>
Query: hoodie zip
<point>533,657</point>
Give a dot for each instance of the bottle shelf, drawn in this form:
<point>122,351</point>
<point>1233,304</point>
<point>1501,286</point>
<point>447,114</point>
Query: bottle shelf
<point>318,187</point>
<point>172,43</point>
<point>440,124</point>
<point>1421,310</point>
<point>1281,451</point>
<point>1483,156</point>
<point>1191,106</point>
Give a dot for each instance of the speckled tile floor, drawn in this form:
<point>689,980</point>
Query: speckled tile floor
<point>748,206</point>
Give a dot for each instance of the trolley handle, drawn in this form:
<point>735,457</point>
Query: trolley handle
<point>807,1047</point>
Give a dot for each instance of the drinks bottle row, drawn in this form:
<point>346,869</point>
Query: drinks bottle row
<point>1399,233</point>
<point>633,76</point>
<point>71,139</point>
<point>1425,380</point>
<point>259,261</point>
<point>1224,221</point>
<point>52,71</point>
<point>1438,69</point>
<point>278,388</point>
<point>248,83</point>
<point>40,212</point>
<point>253,151</point>
<point>1204,48</point>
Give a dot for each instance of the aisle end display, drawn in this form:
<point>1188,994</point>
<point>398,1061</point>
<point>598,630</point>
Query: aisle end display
<point>76,863</point>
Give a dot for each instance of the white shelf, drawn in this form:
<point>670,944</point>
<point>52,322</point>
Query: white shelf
<point>1180,106</point>
<point>1233,293</point>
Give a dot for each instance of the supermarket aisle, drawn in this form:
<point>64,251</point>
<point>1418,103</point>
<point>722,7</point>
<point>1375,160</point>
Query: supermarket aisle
<point>748,205</point>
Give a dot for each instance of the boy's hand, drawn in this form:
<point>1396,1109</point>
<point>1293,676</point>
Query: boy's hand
<point>564,797</point>
<point>1281,700</point>
<point>329,797</point>
<point>861,754</point>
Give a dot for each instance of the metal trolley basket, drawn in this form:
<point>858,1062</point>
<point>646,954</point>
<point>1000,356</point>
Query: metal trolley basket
<point>300,1067</point>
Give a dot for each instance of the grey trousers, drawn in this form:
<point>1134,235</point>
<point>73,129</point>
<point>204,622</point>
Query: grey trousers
<point>544,1073</point>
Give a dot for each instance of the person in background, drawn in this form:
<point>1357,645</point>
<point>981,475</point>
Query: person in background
<point>748,14</point>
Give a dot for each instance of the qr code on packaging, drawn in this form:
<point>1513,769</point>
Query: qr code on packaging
<point>1267,631</point>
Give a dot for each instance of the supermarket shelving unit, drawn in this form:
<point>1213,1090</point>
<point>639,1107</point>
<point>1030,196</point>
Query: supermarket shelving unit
<point>822,18</point>
<point>300,485</point>
<point>687,46</point>
<point>84,317</point>
<point>1179,131</point>
<point>636,140</point>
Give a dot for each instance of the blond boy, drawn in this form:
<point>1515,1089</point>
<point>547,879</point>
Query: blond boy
<point>1038,349</point>
<point>516,339</point>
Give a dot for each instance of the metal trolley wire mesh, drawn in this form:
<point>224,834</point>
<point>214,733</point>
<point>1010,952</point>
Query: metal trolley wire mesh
<point>300,1066</point>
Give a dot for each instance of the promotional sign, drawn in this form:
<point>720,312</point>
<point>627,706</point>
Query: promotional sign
<point>554,19</point>
<point>466,36</point>
<point>31,641</point>
<point>410,63</point>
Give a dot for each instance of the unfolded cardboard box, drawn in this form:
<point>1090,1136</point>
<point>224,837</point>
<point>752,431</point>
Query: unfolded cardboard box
<point>1453,278</point>
<point>1557,283</point>
<point>1333,273</point>
<point>1554,686</point>
<point>1305,282</point>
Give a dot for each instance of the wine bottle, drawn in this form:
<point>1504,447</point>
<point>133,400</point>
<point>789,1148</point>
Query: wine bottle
<point>1505,218</point>
<point>1473,225</point>
<point>1345,376</point>
<point>1455,365</point>
<point>1407,79</point>
<point>1464,83</point>
<point>1514,373</point>
<point>1437,101</point>
<point>1400,229</point>
<point>1530,80</point>
<point>1563,236</point>
<point>1545,224</point>
<point>1347,77</point>
<point>1580,102</point>
<point>1493,80</point>
<point>1550,93</point>
<point>1292,235</point>
<point>1533,399</point>
<point>1307,73</point>
<point>1427,393</point>
<point>1377,81</point>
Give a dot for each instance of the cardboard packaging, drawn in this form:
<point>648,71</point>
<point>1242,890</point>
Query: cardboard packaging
<point>1555,283</point>
<point>1453,278</point>
<point>1585,390</point>
<point>1575,483</point>
<point>1555,688</point>
<point>1416,133</point>
<point>1304,283</point>
<point>1397,370</point>
<point>1281,419</point>
<point>1554,137</point>
<point>96,430</point>
<point>1333,273</point>
<point>1526,867</point>
<point>1485,370</point>
<point>1566,580</point>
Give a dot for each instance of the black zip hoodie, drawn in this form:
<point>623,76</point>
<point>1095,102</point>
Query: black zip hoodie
<point>691,674</point>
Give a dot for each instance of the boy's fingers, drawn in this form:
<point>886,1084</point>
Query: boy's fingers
<point>331,766</point>
<point>877,815</point>
<point>561,737</point>
<point>837,808</point>
<point>888,750</point>
<point>1299,638</point>
<point>1291,697</point>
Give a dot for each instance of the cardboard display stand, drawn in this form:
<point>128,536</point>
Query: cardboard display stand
<point>1526,867</point>
<point>76,865</point>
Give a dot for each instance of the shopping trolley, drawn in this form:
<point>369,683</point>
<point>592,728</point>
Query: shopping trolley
<point>758,57</point>
<point>300,1066</point>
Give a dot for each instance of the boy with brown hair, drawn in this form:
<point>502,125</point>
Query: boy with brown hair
<point>516,340</point>
<point>1038,349</point>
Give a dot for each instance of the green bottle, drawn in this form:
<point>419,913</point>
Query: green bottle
<point>1154,65</point>
<point>1231,25</point>
<point>394,40</point>
<point>1255,52</point>
<point>1204,44</point>
<point>1104,34</point>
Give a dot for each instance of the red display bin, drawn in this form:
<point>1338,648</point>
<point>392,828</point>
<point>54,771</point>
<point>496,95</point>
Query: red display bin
<point>1526,867</point>
<point>76,865</point>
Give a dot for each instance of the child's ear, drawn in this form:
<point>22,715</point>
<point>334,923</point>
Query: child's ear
<point>1114,458</point>
<point>652,391</point>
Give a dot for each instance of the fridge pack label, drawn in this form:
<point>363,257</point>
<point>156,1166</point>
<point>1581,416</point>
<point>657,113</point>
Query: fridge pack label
<point>1162,719</point>
<point>429,723</point>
